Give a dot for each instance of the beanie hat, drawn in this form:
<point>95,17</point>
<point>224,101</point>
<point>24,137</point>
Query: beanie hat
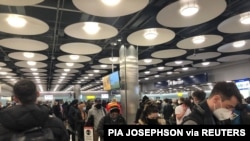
<point>114,109</point>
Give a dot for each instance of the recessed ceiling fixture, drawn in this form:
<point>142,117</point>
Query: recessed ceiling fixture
<point>113,59</point>
<point>239,44</point>
<point>185,69</point>
<point>205,63</point>
<point>245,18</point>
<point>66,70</point>
<point>103,66</point>
<point>198,39</point>
<point>178,62</point>
<point>69,64</point>
<point>150,34</point>
<point>190,8</point>
<point>111,2</point>
<point>91,27</point>
<point>147,60</point>
<point>160,68</point>
<point>31,63</point>
<point>33,69</point>
<point>28,54</point>
<point>16,21</point>
<point>74,57</point>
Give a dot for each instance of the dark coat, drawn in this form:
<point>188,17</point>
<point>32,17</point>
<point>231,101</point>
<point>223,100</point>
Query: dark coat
<point>22,117</point>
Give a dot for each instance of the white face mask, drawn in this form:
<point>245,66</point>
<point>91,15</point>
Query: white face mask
<point>222,113</point>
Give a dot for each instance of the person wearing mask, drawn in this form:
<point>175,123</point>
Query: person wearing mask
<point>112,118</point>
<point>28,114</point>
<point>182,110</point>
<point>151,115</point>
<point>94,116</point>
<point>217,108</point>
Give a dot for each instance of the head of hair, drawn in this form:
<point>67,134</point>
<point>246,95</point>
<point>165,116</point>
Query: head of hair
<point>25,90</point>
<point>149,108</point>
<point>199,95</point>
<point>227,90</point>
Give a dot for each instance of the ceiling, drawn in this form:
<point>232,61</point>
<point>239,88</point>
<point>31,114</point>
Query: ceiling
<point>53,30</point>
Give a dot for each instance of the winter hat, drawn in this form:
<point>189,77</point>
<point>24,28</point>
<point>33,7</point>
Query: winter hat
<point>114,109</point>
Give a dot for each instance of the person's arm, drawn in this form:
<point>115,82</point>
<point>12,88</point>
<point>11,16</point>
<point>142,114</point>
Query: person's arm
<point>100,127</point>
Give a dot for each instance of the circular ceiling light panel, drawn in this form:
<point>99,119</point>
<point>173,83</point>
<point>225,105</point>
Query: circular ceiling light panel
<point>23,44</point>
<point>24,64</point>
<point>20,2</point>
<point>235,46</point>
<point>182,63</point>
<point>205,55</point>
<point>103,66</point>
<point>35,74</point>
<point>80,58</point>
<point>66,71</point>
<point>2,64</point>
<point>81,48</point>
<point>88,30</point>
<point>22,25</point>
<point>150,37</point>
<point>110,8</point>
<point>109,60</point>
<point>65,66</point>
<point>201,65</point>
<point>168,53</point>
<point>233,58</point>
<point>175,19</point>
<point>21,56</point>
<point>152,62</point>
<point>96,71</point>
<point>163,68</point>
<point>236,24</point>
<point>185,69</point>
<point>209,40</point>
<point>30,70</point>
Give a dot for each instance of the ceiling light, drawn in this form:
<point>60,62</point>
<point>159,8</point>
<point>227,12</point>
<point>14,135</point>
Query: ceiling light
<point>160,68</point>
<point>74,57</point>
<point>198,39</point>
<point>91,27</point>
<point>28,54</point>
<point>66,70</point>
<point>69,64</point>
<point>16,21</point>
<point>245,19</point>
<point>238,44</point>
<point>178,62</point>
<point>186,68</point>
<point>31,63</point>
<point>146,78</point>
<point>189,9</point>
<point>157,75</point>
<point>33,69</point>
<point>169,72</point>
<point>35,73</point>
<point>147,60</point>
<point>205,63</point>
<point>103,66</point>
<point>147,72</point>
<point>64,74</point>
<point>150,34</point>
<point>111,2</point>
<point>96,71</point>
<point>113,59</point>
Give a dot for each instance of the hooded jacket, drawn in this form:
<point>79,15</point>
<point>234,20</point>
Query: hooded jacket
<point>23,117</point>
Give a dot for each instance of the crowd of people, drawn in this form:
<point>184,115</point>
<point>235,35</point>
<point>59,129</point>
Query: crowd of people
<point>224,105</point>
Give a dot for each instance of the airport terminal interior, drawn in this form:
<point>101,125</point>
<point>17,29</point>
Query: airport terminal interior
<point>69,47</point>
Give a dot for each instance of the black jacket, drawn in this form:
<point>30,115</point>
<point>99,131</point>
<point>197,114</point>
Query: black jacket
<point>19,118</point>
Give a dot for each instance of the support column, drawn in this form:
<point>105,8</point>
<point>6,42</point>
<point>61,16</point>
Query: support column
<point>129,82</point>
<point>77,91</point>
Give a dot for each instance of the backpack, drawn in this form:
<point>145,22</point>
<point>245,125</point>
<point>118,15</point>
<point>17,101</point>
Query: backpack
<point>34,134</point>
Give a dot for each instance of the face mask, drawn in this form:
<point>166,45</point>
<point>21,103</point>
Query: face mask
<point>98,106</point>
<point>222,113</point>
